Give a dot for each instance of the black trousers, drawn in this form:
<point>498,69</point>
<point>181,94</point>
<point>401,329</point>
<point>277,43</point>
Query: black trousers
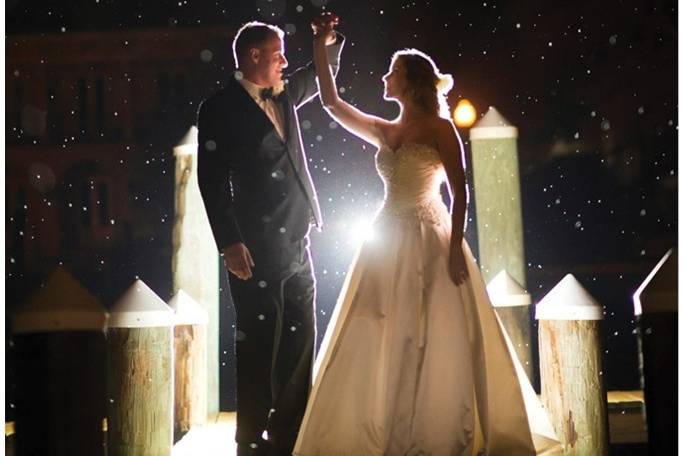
<point>274,342</point>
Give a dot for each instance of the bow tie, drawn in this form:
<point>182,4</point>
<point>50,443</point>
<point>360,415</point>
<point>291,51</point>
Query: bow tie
<point>267,94</point>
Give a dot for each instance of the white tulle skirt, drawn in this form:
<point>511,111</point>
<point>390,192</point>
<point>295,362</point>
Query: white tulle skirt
<point>412,364</point>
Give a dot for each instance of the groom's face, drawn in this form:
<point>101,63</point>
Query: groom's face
<point>271,62</point>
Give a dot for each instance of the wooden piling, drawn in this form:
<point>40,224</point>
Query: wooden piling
<point>508,297</point>
<point>190,364</point>
<point>655,308</point>
<point>60,352</point>
<point>140,375</point>
<point>498,208</point>
<point>571,368</point>
<point>195,263</point>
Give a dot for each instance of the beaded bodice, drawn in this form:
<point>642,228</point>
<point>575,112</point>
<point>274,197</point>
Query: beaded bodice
<point>412,175</point>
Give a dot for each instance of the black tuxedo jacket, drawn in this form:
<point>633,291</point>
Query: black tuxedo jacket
<point>256,187</point>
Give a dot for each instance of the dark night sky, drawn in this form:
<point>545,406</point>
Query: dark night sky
<point>555,69</point>
<point>600,75</point>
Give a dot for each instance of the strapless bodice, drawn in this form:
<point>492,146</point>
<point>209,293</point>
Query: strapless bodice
<point>412,175</point>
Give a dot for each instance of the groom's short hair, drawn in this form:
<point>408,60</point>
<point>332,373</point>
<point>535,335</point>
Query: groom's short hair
<point>251,35</point>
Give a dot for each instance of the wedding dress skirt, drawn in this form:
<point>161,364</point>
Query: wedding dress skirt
<point>412,364</point>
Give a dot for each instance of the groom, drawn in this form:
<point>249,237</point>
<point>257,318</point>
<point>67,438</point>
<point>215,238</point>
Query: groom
<point>260,200</point>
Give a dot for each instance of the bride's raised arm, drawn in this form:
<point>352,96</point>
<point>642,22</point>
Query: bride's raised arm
<point>365,126</point>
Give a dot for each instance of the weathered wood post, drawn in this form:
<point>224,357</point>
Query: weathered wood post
<point>60,347</point>
<point>496,183</point>
<point>655,307</point>
<point>190,364</point>
<point>195,263</point>
<point>507,296</point>
<point>571,368</point>
<point>140,375</point>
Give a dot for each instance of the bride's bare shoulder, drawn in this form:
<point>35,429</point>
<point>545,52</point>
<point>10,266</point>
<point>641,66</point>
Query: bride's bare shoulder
<point>387,129</point>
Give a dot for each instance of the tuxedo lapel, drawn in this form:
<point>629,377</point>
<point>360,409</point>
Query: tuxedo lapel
<point>292,136</point>
<point>291,143</point>
<point>285,107</point>
<point>295,150</point>
<point>253,110</point>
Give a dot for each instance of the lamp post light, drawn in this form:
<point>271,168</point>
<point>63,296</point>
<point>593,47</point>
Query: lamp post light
<point>464,114</point>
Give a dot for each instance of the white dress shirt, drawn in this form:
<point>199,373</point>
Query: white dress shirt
<point>270,107</point>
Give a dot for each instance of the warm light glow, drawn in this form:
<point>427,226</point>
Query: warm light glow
<point>464,114</point>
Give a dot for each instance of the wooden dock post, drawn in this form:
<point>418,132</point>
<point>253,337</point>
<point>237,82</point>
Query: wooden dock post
<point>190,364</point>
<point>571,368</point>
<point>195,263</point>
<point>60,347</point>
<point>655,307</point>
<point>140,375</point>
<point>496,185</point>
<point>507,296</point>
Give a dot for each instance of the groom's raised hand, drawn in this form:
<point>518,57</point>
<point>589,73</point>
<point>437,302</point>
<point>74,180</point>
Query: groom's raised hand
<point>238,260</point>
<point>324,27</point>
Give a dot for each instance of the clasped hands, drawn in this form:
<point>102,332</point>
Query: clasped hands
<point>324,28</point>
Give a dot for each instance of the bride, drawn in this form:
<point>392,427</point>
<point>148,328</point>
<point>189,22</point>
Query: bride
<point>414,361</point>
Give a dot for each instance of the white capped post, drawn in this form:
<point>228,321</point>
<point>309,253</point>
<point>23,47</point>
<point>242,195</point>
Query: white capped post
<point>510,299</point>
<point>60,304</point>
<point>568,300</point>
<point>505,291</point>
<point>496,188</point>
<point>195,262</point>
<point>140,346</point>
<point>571,368</point>
<point>59,347</point>
<point>140,307</point>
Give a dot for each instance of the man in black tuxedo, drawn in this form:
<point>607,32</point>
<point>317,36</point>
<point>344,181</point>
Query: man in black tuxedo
<point>261,201</point>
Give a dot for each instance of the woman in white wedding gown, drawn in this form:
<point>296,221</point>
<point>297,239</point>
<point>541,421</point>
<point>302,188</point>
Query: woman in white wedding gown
<point>414,360</point>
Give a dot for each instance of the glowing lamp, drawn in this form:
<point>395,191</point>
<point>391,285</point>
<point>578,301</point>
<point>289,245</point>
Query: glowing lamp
<point>361,231</point>
<point>464,114</point>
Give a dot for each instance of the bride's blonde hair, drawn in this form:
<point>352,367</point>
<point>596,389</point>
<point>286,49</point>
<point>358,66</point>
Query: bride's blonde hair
<point>427,86</point>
